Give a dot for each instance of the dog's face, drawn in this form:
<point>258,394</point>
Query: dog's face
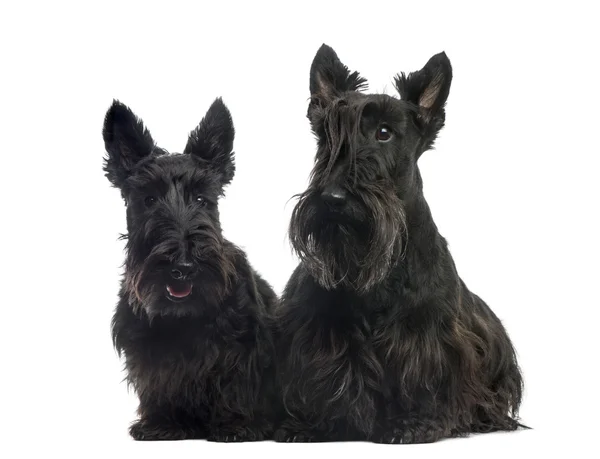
<point>175,260</point>
<point>349,225</point>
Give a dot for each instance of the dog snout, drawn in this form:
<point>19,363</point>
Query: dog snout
<point>334,195</point>
<point>182,271</point>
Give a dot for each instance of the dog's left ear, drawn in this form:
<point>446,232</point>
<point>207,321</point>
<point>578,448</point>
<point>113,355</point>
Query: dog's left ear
<point>428,89</point>
<point>212,141</point>
<point>329,77</point>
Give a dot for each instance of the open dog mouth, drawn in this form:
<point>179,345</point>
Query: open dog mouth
<point>179,291</point>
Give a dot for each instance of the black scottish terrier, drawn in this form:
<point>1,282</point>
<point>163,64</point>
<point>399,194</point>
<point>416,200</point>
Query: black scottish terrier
<point>380,339</point>
<point>192,320</point>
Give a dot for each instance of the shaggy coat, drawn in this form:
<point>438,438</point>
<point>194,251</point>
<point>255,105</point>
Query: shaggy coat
<point>192,321</point>
<point>379,338</point>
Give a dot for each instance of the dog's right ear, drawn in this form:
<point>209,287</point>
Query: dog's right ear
<point>329,78</point>
<point>127,142</point>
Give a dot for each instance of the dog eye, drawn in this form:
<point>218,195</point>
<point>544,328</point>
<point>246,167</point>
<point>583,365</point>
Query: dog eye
<point>383,134</point>
<point>201,201</point>
<point>149,201</point>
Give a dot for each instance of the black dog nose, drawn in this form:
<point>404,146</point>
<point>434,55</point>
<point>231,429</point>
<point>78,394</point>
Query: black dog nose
<point>334,195</point>
<point>182,271</point>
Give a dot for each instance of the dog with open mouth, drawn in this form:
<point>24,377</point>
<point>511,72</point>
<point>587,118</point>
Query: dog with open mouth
<point>192,320</point>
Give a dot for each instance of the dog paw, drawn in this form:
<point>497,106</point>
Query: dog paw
<point>390,437</point>
<point>240,434</point>
<point>395,436</point>
<point>287,436</point>
<point>145,431</point>
<point>224,438</point>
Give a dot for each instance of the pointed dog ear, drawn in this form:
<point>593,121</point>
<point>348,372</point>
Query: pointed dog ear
<point>329,77</point>
<point>428,89</point>
<point>126,140</point>
<point>212,141</point>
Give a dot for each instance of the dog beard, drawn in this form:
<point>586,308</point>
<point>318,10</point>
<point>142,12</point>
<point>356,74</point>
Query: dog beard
<point>145,282</point>
<point>353,250</point>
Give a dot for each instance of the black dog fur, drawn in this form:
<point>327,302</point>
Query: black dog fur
<point>379,337</point>
<point>193,316</point>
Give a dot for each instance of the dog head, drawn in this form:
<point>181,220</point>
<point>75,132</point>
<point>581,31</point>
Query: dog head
<point>176,261</point>
<point>349,226</point>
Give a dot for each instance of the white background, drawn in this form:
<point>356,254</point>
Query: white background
<point>513,186</point>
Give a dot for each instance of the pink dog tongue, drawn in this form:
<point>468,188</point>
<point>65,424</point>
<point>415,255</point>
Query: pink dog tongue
<point>180,293</point>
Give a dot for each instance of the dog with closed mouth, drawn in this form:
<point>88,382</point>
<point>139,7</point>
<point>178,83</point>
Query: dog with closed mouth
<point>379,338</point>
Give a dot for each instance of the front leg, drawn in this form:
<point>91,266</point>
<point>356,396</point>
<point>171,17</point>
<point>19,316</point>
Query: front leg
<point>161,429</point>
